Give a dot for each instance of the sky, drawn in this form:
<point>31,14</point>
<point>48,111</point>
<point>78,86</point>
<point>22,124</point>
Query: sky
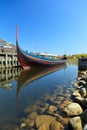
<point>49,26</point>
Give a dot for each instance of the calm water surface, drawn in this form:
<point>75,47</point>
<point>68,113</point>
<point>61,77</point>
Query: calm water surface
<point>20,90</point>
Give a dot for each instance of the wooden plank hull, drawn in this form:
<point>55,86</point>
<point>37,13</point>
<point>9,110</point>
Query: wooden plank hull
<point>27,60</point>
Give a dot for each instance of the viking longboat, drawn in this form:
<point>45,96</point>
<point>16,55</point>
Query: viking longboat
<point>34,59</point>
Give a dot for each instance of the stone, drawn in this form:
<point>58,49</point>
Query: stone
<point>84,73</point>
<point>85,127</point>
<point>41,110</point>
<point>65,120</point>
<point>75,123</point>
<point>79,78</point>
<point>56,126</point>
<point>80,87</point>
<point>52,108</point>
<point>75,84</point>
<point>22,120</point>
<point>84,117</point>
<point>33,115</point>
<point>83,92</point>
<point>78,99</point>
<point>76,94</point>
<point>22,125</point>
<point>27,120</point>
<point>31,124</point>
<point>45,105</point>
<point>27,109</point>
<point>52,98</point>
<point>82,82</point>
<point>83,77</point>
<point>60,98</point>
<point>44,126</point>
<point>76,90</point>
<point>44,119</point>
<point>57,115</point>
<point>32,108</point>
<point>68,95</point>
<point>84,103</point>
<point>73,109</point>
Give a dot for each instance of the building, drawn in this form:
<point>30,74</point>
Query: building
<point>8,55</point>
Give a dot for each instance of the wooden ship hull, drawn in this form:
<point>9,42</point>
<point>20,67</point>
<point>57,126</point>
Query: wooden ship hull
<point>28,60</point>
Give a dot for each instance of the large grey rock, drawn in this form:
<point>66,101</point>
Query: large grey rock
<point>73,109</point>
<point>75,123</point>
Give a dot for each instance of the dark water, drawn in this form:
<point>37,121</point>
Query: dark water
<point>19,90</point>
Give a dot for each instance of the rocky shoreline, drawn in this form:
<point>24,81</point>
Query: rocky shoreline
<point>57,111</point>
<point>75,110</point>
<point>79,121</point>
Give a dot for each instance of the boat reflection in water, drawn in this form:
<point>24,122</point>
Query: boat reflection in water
<point>32,74</point>
<point>7,76</point>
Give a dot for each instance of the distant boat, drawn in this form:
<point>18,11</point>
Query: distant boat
<point>34,59</point>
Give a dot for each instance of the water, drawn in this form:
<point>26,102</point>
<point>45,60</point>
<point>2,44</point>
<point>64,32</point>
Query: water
<point>21,93</point>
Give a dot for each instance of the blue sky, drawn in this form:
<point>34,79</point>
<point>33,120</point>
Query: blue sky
<point>53,26</point>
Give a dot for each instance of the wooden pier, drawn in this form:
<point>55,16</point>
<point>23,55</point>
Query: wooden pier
<point>8,55</point>
<point>8,60</point>
<point>82,64</point>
